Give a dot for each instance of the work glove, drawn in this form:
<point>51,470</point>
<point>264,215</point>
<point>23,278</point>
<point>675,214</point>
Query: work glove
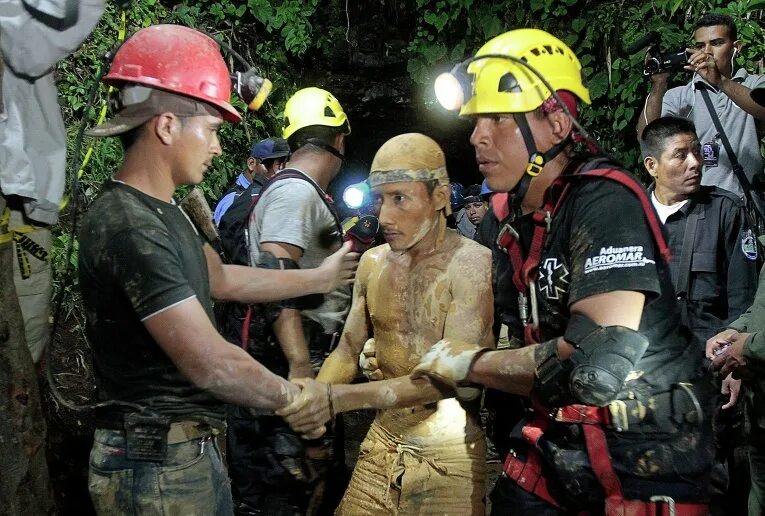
<point>368,361</point>
<point>448,362</point>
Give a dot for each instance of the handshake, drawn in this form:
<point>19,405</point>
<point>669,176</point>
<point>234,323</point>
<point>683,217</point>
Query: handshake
<point>309,411</point>
<point>447,362</point>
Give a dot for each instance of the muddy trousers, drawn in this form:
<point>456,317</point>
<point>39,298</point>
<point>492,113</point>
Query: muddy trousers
<point>191,481</point>
<point>393,477</point>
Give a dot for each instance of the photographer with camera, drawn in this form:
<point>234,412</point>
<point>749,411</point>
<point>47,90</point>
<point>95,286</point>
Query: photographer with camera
<point>716,100</point>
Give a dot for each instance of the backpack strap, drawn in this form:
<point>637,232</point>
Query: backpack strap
<point>293,173</point>
<point>626,180</point>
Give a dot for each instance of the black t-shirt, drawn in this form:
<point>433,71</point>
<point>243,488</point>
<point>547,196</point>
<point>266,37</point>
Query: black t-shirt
<point>600,242</point>
<point>138,256</point>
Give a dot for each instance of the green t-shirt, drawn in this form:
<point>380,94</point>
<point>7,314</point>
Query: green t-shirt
<point>139,256</point>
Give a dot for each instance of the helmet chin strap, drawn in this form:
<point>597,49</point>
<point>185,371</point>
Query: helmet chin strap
<point>537,161</point>
<point>327,147</point>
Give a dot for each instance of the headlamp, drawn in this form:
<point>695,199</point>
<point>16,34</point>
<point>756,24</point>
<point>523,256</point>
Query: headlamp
<point>356,195</point>
<point>451,87</point>
<point>455,87</point>
<point>251,88</point>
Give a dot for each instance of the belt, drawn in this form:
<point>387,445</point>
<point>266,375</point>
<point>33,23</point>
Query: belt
<point>664,412</point>
<point>179,432</point>
<point>183,431</point>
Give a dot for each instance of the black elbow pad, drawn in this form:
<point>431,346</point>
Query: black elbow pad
<point>595,373</point>
<point>602,363</point>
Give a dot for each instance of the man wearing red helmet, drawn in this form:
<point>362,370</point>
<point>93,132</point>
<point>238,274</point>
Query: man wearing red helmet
<point>612,379</point>
<point>148,280</point>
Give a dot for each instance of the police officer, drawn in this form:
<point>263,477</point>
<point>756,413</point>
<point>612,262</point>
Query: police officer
<point>582,279</point>
<point>714,257</point>
<point>714,254</point>
<point>267,157</point>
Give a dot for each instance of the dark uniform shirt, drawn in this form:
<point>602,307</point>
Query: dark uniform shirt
<point>600,242</point>
<point>722,279</point>
<point>138,256</point>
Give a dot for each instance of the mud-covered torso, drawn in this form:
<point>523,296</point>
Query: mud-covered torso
<point>407,306</point>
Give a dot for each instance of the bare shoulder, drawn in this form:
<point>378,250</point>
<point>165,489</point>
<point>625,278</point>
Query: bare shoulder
<point>466,250</point>
<point>372,260</point>
<point>374,256</point>
<point>470,263</point>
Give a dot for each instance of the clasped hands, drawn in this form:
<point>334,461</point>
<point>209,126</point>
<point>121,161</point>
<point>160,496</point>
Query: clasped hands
<point>726,351</point>
<point>308,411</point>
<point>447,362</point>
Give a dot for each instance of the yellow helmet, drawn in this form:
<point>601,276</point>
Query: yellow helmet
<point>503,86</point>
<point>313,106</point>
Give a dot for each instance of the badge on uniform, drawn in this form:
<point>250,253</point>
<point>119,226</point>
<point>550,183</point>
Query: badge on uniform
<point>710,152</point>
<point>749,245</point>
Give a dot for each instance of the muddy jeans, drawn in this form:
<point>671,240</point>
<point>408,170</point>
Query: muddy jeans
<point>191,481</point>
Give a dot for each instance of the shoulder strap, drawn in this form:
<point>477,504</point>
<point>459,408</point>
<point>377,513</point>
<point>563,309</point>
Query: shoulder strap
<point>735,165</point>
<point>629,182</point>
<point>501,209</point>
<point>291,173</point>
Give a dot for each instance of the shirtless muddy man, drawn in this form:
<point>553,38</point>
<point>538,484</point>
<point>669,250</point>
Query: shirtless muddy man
<point>425,451</point>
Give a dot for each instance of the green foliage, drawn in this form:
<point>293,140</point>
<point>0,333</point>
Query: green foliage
<point>451,30</point>
<point>287,39</point>
<point>267,33</point>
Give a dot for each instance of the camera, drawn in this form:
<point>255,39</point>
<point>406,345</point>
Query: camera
<point>658,61</point>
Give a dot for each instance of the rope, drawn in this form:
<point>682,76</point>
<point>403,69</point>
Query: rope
<point>101,117</point>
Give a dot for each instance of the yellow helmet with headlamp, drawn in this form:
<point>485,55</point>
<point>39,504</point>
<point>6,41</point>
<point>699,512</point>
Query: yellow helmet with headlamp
<point>512,73</point>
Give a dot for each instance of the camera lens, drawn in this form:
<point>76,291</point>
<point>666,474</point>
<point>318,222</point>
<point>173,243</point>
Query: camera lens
<point>652,66</point>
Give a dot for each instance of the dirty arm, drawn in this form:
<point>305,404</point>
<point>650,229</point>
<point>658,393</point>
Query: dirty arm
<point>513,370</point>
<point>252,285</point>
<point>186,335</point>
<point>342,364</point>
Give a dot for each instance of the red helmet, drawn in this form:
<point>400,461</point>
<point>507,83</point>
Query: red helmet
<point>177,59</point>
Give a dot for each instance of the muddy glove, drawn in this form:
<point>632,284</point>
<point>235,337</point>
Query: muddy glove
<point>368,361</point>
<point>448,362</point>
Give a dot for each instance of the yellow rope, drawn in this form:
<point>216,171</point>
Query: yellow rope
<point>101,116</point>
<point>5,235</point>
